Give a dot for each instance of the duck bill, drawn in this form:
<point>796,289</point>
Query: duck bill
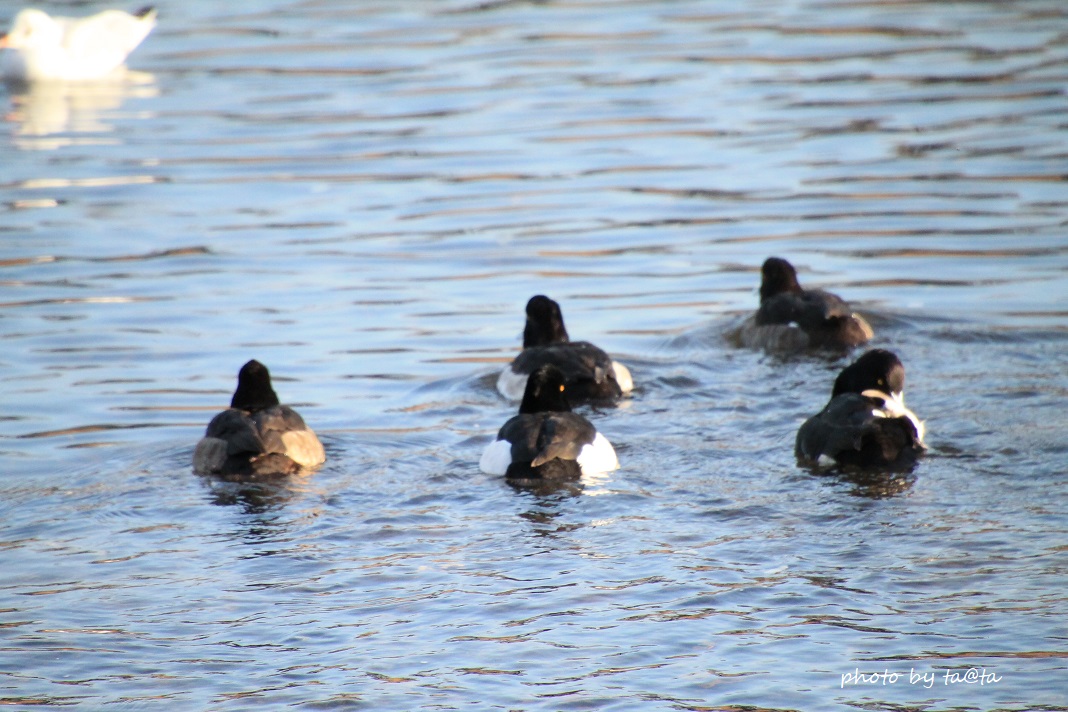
<point>5,41</point>
<point>894,407</point>
<point>876,393</point>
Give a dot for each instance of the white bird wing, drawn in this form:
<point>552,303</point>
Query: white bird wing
<point>104,40</point>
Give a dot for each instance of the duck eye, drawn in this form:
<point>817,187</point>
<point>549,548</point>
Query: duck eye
<point>561,387</point>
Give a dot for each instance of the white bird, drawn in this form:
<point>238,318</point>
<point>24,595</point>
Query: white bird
<point>41,48</point>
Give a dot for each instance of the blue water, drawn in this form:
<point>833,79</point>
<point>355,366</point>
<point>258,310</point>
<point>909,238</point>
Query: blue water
<point>363,197</point>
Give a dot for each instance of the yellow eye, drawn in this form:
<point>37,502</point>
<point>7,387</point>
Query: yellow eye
<point>561,387</point>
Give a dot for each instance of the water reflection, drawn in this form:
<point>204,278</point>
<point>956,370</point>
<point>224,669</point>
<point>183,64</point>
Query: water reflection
<point>252,496</point>
<point>41,111</point>
<point>546,490</point>
<point>545,500</point>
<point>870,483</point>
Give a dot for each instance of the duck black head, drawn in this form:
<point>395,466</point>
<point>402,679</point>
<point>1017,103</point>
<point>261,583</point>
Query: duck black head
<point>254,390</point>
<point>777,276</point>
<point>545,323</point>
<point>878,369</point>
<point>545,392</point>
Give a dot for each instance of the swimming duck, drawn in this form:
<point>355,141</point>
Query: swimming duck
<point>589,373</point>
<point>65,49</point>
<point>793,319</point>
<point>866,422</point>
<point>257,435</point>
<point>547,440</point>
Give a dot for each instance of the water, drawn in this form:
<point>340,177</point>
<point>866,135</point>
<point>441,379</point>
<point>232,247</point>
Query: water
<point>363,196</point>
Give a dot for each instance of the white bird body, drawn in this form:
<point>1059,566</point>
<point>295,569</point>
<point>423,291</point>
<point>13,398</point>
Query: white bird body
<point>594,458</point>
<point>41,48</point>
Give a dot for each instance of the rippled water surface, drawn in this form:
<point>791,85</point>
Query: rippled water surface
<point>364,195</point>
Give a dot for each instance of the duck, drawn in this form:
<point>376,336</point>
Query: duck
<point>589,373</point>
<point>792,319</point>
<point>866,423</point>
<point>42,48</point>
<point>256,435</point>
<point>546,440</point>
